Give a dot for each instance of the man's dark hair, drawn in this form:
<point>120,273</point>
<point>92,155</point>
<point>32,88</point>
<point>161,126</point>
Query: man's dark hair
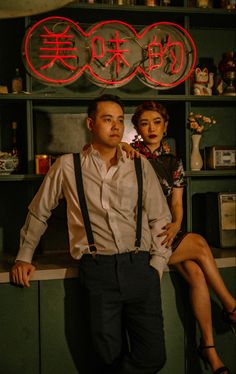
<point>92,108</point>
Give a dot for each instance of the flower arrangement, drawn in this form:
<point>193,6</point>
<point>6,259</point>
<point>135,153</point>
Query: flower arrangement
<point>198,123</point>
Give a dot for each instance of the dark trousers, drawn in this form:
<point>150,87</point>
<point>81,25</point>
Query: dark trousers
<point>123,298</point>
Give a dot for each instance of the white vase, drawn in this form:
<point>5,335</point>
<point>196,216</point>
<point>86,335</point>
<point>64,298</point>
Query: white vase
<point>196,158</point>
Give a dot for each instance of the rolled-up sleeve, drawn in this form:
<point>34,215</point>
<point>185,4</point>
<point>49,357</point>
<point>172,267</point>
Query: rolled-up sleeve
<point>45,200</point>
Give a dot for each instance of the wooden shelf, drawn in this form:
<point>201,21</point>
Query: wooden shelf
<point>65,96</point>
<point>211,173</point>
<point>21,177</point>
<point>160,9</point>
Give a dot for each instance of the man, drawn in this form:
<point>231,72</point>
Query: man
<point>119,276</point>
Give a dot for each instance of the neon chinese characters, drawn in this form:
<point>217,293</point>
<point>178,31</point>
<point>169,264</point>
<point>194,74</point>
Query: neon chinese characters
<point>57,52</point>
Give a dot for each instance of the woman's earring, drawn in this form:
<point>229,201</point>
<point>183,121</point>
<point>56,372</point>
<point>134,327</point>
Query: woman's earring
<point>164,134</point>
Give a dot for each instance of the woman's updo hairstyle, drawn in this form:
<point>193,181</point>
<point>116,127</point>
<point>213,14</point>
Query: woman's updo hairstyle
<point>152,106</point>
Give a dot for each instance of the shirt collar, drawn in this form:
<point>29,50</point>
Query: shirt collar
<point>121,155</point>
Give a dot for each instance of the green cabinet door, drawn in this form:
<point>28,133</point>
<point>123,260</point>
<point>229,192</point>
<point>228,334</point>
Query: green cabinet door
<point>64,338</point>
<point>174,294</point>
<point>64,333</point>
<point>19,332</point>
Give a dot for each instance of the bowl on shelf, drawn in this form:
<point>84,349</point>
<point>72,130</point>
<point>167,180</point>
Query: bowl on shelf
<point>8,163</point>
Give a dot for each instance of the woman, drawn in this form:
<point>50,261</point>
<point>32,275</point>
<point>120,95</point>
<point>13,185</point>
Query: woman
<point>191,256</point>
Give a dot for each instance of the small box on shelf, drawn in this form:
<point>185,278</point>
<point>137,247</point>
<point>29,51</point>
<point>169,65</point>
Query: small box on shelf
<point>219,157</point>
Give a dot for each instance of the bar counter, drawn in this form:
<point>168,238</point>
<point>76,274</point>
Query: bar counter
<point>43,325</point>
<point>60,265</point>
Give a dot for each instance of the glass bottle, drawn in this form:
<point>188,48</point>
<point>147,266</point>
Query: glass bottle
<point>17,82</point>
<point>15,146</point>
<point>15,150</point>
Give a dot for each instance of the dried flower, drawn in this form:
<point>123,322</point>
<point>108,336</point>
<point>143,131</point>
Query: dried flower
<point>198,123</point>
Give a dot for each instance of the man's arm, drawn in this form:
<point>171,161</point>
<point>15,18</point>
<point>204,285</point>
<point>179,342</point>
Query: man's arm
<point>46,199</point>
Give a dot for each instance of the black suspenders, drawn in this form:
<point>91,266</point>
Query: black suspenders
<point>138,169</point>
<point>82,200</point>
<point>84,209</point>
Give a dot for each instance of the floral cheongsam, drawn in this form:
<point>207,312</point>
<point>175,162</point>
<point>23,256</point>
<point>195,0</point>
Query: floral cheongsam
<point>169,170</point>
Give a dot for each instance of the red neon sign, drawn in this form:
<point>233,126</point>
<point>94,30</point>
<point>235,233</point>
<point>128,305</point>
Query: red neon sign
<point>57,52</point>
<point>52,43</point>
<point>162,52</point>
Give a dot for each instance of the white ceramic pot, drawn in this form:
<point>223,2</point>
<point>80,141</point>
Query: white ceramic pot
<point>8,165</point>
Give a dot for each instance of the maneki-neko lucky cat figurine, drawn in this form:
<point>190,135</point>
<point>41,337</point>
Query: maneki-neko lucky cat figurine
<point>204,82</point>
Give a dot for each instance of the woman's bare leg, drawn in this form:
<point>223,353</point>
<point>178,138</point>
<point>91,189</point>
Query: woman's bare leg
<point>201,306</point>
<point>194,247</point>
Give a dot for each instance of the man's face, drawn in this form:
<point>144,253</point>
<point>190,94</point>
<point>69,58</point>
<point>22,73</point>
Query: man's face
<point>108,126</point>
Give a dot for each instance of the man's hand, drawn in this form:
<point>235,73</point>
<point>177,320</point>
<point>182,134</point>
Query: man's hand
<point>21,273</point>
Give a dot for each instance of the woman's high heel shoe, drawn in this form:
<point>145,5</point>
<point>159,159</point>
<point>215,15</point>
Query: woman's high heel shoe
<point>201,348</point>
<point>226,318</point>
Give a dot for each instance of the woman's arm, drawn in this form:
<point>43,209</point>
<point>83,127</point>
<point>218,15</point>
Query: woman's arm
<point>176,208</point>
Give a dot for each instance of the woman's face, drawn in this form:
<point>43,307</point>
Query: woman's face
<point>151,127</point>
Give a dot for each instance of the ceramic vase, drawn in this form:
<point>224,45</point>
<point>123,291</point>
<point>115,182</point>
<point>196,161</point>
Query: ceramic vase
<point>196,158</point>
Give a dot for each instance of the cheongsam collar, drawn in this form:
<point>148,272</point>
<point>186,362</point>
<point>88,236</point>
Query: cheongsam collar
<point>144,150</point>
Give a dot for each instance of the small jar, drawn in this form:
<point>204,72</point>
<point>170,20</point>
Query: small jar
<point>165,2</point>
<point>227,68</point>
<point>228,62</point>
<point>42,164</point>
<point>204,3</point>
<point>150,2</point>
